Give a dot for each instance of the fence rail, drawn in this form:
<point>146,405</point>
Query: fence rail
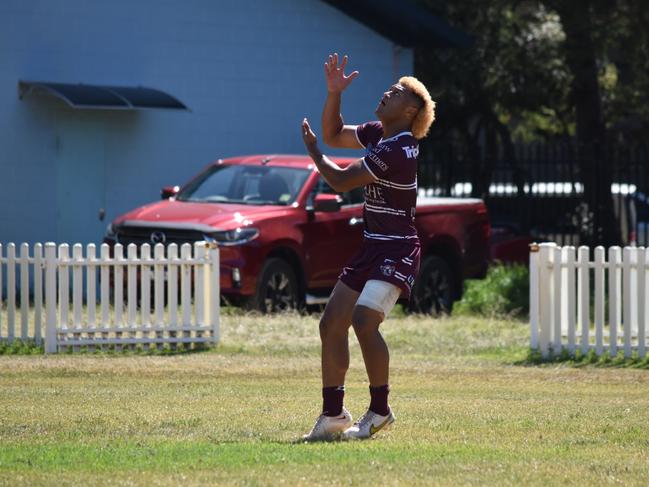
<point>69,301</point>
<point>578,303</point>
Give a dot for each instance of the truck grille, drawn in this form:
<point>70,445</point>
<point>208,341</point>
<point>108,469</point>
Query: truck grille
<point>151,235</point>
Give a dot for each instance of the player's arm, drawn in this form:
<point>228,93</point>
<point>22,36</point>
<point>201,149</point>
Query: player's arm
<point>334,131</point>
<point>340,179</point>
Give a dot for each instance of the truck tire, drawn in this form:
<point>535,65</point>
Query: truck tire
<point>434,289</point>
<point>277,288</point>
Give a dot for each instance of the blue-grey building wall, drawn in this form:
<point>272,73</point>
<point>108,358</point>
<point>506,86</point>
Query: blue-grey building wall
<point>249,70</point>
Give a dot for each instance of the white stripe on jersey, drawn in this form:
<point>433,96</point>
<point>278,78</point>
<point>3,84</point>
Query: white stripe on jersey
<point>390,184</point>
<point>380,209</point>
<point>386,212</point>
<point>380,236</point>
<point>395,136</point>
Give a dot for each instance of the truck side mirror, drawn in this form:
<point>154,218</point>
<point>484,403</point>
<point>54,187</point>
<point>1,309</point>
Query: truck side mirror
<point>327,203</point>
<point>169,191</point>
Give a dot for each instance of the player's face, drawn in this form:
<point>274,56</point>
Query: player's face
<point>393,103</point>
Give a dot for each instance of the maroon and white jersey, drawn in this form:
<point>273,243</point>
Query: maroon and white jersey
<point>390,201</point>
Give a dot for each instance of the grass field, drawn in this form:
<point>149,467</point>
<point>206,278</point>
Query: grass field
<point>469,412</point>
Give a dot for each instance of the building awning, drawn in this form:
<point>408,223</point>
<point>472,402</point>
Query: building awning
<point>404,23</point>
<point>103,97</point>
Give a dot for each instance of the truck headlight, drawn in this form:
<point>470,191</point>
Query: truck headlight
<point>237,236</point>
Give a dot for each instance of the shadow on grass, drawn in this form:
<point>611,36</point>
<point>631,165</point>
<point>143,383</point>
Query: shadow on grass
<point>589,359</point>
<point>30,347</point>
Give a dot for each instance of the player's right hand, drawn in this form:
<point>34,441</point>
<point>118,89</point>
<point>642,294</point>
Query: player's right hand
<point>309,137</point>
<point>337,81</point>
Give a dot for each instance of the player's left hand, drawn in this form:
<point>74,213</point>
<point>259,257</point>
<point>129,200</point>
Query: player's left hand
<point>309,137</point>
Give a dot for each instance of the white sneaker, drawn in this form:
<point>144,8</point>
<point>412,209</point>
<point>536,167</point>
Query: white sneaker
<point>368,424</point>
<point>329,427</point>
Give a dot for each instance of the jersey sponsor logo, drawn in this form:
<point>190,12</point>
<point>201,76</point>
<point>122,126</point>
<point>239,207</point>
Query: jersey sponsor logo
<point>376,160</point>
<point>411,152</point>
<point>374,193</point>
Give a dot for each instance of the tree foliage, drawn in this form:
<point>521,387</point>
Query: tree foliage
<point>543,70</point>
<point>518,68</point>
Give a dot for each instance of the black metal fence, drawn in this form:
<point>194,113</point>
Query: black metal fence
<point>547,191</point>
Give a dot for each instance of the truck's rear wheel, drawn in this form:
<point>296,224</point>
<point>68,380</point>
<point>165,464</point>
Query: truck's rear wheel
<point>434,289</point>
<point>277,288</point>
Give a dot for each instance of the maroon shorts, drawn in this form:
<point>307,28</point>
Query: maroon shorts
<point>393,261</point>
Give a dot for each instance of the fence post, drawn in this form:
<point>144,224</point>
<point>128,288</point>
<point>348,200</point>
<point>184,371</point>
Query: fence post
<point>50,298</point>
<point>600,267</point>
<point>0,291</point>
<point>569,295</point>
<point>628,258</point>
<point>614,296</point>
<point>534,296</point>
<point>24,291</point>
<point>583,283</point>
<point>212,291</point>
<point>38,293</point>
<point>544,297</point>
<point>11,291</point>
<point>557,261</point>
<point>643,267</point>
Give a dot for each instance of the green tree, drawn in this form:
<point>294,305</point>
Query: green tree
<point>509,86</point>
<point>544,70</point>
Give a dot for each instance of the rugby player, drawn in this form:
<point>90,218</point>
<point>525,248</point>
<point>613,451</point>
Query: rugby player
<point>385,268</point>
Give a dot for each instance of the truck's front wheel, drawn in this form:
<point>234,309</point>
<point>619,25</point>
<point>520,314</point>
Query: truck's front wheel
<point>277,288</point>
<point>433,290</point>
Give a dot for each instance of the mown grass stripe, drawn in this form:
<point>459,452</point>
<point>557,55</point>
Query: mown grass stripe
<point>172,455</point>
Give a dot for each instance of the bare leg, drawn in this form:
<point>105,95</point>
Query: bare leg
<point>366,323</point>
<point>334,328</point>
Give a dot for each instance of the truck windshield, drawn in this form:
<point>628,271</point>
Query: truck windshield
<point>251,185</point>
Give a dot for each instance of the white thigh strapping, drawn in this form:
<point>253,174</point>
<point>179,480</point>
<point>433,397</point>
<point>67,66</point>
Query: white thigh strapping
<point>379,295</point>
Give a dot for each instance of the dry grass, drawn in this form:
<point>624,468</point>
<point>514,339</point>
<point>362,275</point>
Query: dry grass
<point>466,413</point>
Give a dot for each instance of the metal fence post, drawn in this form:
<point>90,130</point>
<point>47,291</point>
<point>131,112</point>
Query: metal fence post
<point>50,298</point>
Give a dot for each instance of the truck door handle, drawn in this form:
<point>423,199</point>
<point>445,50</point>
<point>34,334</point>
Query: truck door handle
<point>355,221</point>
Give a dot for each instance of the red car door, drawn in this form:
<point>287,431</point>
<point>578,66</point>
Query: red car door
<point>332,238</point>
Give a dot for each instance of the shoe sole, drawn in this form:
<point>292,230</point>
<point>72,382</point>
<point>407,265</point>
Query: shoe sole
<point>329,437</point>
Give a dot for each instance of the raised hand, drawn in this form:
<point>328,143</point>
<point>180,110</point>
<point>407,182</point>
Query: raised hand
<point>337,81</point>
<point>310,139</point>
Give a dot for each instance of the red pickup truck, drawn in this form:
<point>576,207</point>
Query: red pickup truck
<point>284,234</point>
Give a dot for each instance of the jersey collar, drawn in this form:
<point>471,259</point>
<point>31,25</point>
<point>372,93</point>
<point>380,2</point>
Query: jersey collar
<point>397,136</point>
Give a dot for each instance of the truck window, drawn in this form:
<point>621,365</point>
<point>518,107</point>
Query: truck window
<point>244,184</point>
<point>353,197</point>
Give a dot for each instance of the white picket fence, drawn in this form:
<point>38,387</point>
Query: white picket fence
<point>578,303</point>
<point>84,301</point>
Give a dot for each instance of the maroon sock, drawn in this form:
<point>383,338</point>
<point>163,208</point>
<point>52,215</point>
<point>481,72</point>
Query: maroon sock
<point>379,400</point>
<point>332,400</point>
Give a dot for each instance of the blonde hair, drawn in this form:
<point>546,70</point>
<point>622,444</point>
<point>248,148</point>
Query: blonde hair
<point>426,115</point>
